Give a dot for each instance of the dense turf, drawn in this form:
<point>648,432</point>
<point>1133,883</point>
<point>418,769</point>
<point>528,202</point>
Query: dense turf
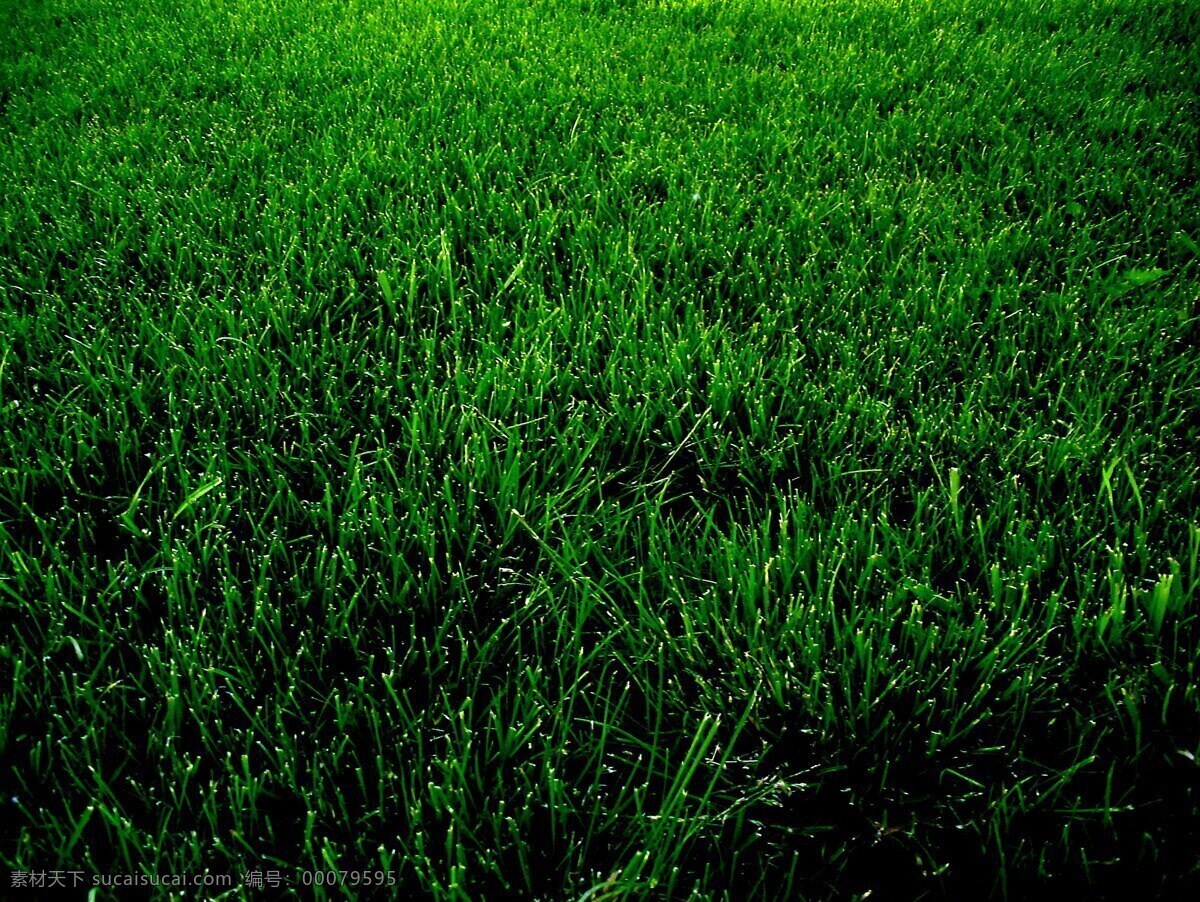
<point>563,447</point>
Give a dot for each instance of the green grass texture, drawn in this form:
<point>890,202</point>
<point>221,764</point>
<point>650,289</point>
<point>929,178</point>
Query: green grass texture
<point>602,449</point>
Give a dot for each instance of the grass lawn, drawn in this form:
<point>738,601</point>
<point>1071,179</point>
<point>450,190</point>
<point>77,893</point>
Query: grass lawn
<point>633,449</point>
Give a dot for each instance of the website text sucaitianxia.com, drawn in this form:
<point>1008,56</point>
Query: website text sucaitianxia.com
<point>55,879</point>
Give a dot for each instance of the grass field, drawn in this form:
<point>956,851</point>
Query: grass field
<point>600,448</point>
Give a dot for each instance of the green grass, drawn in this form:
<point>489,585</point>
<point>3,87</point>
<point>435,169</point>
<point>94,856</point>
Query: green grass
<point>603,448</point>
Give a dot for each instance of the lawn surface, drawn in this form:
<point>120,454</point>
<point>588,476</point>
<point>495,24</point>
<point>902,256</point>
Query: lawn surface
<point>537,447</point>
